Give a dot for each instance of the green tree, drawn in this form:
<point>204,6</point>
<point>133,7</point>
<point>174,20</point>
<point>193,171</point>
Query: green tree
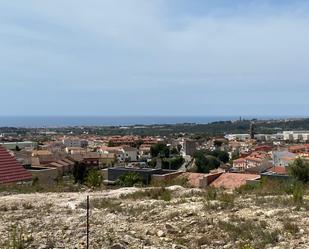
<point>110,143</point>
<point>220,155</point>
<point>159,150</point>
<point>174,151</point>
<point>79,172</point>
<point>200,160</point>
<point>179,147</point>
<point>174,162</point>
<point>204,163</point>
<point>218,143</point>
<point>152,163</point>
<point>299,169</point>
<point>138,143</point>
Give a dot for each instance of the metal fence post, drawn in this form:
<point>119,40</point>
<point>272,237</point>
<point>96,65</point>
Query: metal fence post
<point>87,221</point>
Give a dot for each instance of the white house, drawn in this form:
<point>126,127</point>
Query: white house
<point>130,153</point>
<point>74,143</point>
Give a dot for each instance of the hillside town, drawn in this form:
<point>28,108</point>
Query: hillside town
<point>228,161</point>
<point>152,124</point>
<point>152,192</point>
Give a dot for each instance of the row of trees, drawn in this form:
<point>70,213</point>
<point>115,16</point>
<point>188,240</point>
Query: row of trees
<point>162,150</point>
<point>171,158</point>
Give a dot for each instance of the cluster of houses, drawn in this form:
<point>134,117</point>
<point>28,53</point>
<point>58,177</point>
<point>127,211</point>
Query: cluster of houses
<point>117,155</point>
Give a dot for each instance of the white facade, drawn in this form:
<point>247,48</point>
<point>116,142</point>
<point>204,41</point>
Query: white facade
<point>74,143</point>
<point>296,135</point>
<point>130,153</point>
<point>240,137</point>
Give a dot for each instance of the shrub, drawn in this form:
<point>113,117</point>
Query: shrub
<point>14,207</point>
<point>268,187</point>
<point>94,178</point>
<point>102,203</point>
<point>247,188</point>
<point>35,181</point>
<point>129,179</point>
<point>290,227</point>
<point>227,199</point>
<point>27,205</point>
<point>249,230</point>
<point>211,194</point>
<point>153,193</point>
<point>298,193</point>
<point>4,208</point>
<point>299,169</point>
<point>166,195</point>
<point>16,240</point>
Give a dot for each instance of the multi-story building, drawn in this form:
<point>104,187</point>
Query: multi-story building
<point>189,147</point>
<point>296,135</point>
<point>75,143</point>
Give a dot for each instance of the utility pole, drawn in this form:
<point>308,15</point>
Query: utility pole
<point>87,221</point>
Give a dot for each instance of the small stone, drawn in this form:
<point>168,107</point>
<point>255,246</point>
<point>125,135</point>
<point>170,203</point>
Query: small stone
<point>280,238</point>
<point>170,228</point>
<point>160,233</point>
<point>174,246</point>
<point>149,232</point>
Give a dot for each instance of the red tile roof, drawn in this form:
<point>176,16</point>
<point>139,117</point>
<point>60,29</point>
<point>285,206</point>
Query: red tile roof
<point>278,170</point>
<point>11,170</point>
<point>232,180</point>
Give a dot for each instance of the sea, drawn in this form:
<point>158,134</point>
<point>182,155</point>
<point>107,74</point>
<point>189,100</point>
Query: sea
<point>66,121</point>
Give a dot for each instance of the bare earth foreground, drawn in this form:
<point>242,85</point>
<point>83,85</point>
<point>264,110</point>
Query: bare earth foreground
<point>171,218</point>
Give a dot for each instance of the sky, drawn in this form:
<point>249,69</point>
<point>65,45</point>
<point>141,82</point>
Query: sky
<point>154,57</point>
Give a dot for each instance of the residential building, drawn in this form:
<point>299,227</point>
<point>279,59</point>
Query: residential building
<point>189,147</point>
<point>19,145</point>
<point>130,153</point>
<point>11,171</point>
<point>283,158</point>
<point>296,135</point>
<point>75,143</point>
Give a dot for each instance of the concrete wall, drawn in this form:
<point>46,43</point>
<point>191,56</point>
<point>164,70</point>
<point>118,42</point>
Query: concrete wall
<point>167,176</point>
<point>46,176</point>
<point>208,179</point>
<point>276,177</point>
<point>115,173</point>
<point>104,173</point>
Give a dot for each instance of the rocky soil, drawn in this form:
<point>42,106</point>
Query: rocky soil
<point>173,218</point>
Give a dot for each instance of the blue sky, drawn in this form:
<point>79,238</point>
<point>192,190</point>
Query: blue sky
<point>154,57</point>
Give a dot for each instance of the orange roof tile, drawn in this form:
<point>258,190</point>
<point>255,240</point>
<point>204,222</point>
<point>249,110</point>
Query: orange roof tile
<point>232,180</point>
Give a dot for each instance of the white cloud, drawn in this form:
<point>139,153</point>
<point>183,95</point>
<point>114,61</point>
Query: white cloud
<point>140,47</point>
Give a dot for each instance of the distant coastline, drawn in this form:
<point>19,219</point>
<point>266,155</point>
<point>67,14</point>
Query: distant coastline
<point>66,121</point>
